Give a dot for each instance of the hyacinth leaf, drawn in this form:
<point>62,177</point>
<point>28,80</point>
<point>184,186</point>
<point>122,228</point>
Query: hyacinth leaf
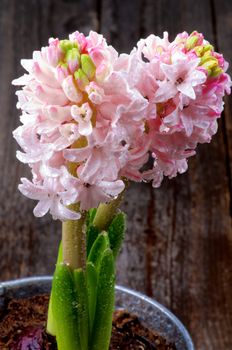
<point>116,232</point>
<point>90,216</point>
<point>81,306</point>
<point>51,327</point>
<point>102,327</point>
<point>64,308</point>
<point>91,277</point>
<point>92,234</point>
<point>98,248</point>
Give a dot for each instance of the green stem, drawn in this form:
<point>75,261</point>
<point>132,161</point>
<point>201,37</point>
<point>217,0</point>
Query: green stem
<point>74,241</point>
<point>106,212</point>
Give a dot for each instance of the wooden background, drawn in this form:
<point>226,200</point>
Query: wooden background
<point>178,247</point>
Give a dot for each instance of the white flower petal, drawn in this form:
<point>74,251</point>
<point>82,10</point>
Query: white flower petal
<point>27,64</point>
<point>113,188</point>
<point>31,190</point>
<point>77,154</point>
<point>23,80</point>
<point>85,128</point>
<point>42,208</point>
<point>59,211</point>
<point>166,90</point>
<point>187,89</point>
<point>70,90</point>
<point>170,71</point>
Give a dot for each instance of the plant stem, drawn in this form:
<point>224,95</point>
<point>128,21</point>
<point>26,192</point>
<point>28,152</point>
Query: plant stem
<point>74,241</point>
<point>106,212</point>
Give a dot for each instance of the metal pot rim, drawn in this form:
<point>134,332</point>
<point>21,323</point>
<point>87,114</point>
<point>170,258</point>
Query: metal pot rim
<point>14,284</point>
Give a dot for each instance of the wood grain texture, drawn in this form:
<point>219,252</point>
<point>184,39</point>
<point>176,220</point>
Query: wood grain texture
<point>178,247</point>
<point>223,30</point>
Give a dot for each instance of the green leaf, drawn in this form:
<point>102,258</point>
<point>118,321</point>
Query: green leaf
<point>51,327</point>
<point>92,278</point>
<point>92,233</point>
<point>116,232</point>
<point>64,308</point>
<point>105,303</point>
<point>82,307</point>
<point>98,248</point>
<point>90,216</point>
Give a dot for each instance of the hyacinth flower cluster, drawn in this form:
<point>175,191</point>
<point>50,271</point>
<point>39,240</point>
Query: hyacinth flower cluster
<point>93,120</point>
<point>185,82</point>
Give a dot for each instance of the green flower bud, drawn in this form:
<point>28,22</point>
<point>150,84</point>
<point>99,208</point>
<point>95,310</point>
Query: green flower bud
<point>199,50</point>
<point>63,65</point>
<point>207,57</point>
<point>88,66</point>
<point>208,48</point>
<point>81,78</point>
<point>66,45</point>
<point>216,71</point>
<point>210,65</point>
<point>73,55</point>
<point>191,42</point>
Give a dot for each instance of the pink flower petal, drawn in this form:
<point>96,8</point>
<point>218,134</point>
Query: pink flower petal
<point>71,91</point>
<point>42,208</point>
<point>113,188</point>
<point>165,91</point>
<point>187,90</point>
<point>77,154</point>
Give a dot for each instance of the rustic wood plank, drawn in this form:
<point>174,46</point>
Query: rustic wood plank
<point>120,23</point>
<point>178,247</point>
<point>29,245</point>
<point>223,30</point>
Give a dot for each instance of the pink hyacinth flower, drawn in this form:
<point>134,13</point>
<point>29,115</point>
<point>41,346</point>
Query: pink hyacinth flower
<point>77,110</point>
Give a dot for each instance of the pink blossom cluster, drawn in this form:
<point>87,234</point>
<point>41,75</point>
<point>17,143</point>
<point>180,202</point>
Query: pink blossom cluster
<point>184,82</point>
<point>92,118</point>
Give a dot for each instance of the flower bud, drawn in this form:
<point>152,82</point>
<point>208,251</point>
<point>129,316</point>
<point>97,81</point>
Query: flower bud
<point>73,59</point>
<point>199,50</point>
<point>208,48</point>
<point>66,45</point>
<point>61,72</point>
<point>191,42</point>
<point>88,66</point>
<point>215,71</point>
<point>70,89</point>
<point>81,78</point>
<point>210,63</point>
<point>207,57</point>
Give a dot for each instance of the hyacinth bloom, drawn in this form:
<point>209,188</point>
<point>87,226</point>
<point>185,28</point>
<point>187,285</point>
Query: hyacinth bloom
<point>91,117</point>
<point>77,108</point>
<point>92,120</point>
<point>184,82</point>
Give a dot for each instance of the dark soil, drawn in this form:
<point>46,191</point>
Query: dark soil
<point>22,327</point>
